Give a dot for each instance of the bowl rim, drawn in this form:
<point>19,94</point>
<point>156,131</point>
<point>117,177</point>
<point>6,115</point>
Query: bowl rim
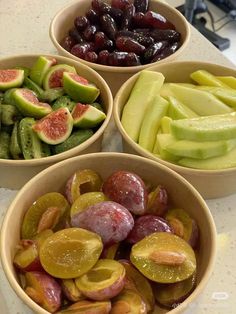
<point>147,154</point>
<point>80,147</point>
<point>212,230</point>
<point>108,68</point>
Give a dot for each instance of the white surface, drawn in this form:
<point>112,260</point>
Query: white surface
<point>24,29</point>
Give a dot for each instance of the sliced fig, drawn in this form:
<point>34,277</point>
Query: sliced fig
<point>29,105</point>
<point>28,83</point>
<point>56,127</point>
<point>164,257</point>
<point>183,225</point>
<point>88,307</point>
<point>129,301</point>
<point>82,181</point>
<point>53,77</point>
<point>79,89</point>
<point>70,253</point>
<point>170,294</point>
<point>11,78</point>
<point>7,97</point>
<point>87,116</point>
<point>43,214</point>
<point>104,281</point>
<point>40,67</point>
<point>44,290</point>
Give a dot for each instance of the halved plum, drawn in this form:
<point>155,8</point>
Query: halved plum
<point>158,201</point>
<point>82,181</point>
<point>71,291</point>
<point>104,281</point>
<point>183,225</point>
<point>164,257</point>
<point>88,307</point>
<point>69,253</point>
<point>44,290</point>
<point>128,301</point>
<point>45,213</point>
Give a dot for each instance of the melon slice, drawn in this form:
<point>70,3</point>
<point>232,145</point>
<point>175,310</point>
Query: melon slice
<point>11,78</point>
<point>55,128</point>
<point>28,104</point>
<point>87,116</point>
<point>79,89</point>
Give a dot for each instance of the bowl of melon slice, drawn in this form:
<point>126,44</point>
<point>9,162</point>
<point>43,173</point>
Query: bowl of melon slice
<point>183,115</point>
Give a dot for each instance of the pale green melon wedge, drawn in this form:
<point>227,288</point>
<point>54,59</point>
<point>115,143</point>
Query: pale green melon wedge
<point>165,124</point>
<point>211,128</point>
<point>162,141</point>
<point>146,87</point>
<point>201,102</point>
<point>228,80</point>
<point>203,77</point>
<point>215,163</point>
<point>178,110</point>
<point>151,122</point>
<point>165,90</point>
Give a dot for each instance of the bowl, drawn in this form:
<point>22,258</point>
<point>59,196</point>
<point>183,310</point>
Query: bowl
<point>54,179</point>
<point>210,183</point>
<point>15,173</point>
<point>114,76</point>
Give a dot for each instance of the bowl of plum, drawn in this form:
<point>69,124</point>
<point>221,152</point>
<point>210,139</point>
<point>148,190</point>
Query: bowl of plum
<point>108,233</point>
<point>52,108</point>
<point>183,116</point>
<point>120,37</point>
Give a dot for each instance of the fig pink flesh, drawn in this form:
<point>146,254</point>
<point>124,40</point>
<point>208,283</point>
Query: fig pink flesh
<point>79,110</point>
<point>29,95</point>
<point>79,79</point>
<point>55,79</point>
<point>8,75</point>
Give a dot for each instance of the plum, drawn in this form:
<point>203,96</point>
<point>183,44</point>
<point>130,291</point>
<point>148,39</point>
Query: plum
<point>127,189</point>
<point>110,220</point>
<point>71,291</point>
<point>104,281</point>
<point>146,225</point>
<point>128,301</point>
<point>158,201</point>
<point>183,225</point>
<point>110,251</point>
<point>70,253</point>
<point>82,181</point>
<point>171,294</point>
<point>134,280</point>
<point>164,257</point>
<point>88,307</point>
<point>45,213</point>
<point>44,290</point>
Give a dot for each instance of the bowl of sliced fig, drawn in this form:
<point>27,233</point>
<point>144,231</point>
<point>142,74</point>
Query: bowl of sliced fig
<point>120,37</point>
<point>108,233</point>
<point>52,108</point>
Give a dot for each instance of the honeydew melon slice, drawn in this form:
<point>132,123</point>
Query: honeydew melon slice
<point>162,141</point>
<point>201,102</point>
<point>210,128</point>
<point>146,87</point>
<point>203,77</point>
<point>228,80</point>
<point>151,122</point>
<point>165,124</point>
<point>178,110</point>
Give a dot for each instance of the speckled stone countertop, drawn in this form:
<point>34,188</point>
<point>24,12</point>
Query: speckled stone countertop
<point>24,29</point>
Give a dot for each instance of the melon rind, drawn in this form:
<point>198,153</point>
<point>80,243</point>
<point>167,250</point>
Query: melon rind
<point>79,92</point>
<point>16,82</point>
<point>42,135</point>
<point>28,108</point>
<point>90,118</point>
<point>65,67</point>
<point>40,68</point>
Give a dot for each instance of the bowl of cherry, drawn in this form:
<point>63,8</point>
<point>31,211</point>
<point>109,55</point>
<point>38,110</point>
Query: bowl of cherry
<point>108,233</point>
<point>118,38</point>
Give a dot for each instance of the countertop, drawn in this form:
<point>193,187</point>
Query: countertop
<point>24,29</point>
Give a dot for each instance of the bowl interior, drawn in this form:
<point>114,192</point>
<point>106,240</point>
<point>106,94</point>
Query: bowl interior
<point>64,19</point>
<point>91,75</point>
<point>176,72</point>
<point>54,179</point>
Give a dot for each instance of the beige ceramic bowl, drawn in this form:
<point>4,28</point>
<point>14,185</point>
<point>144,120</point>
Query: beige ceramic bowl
<point>114,76</point>
<point>15,173</point>
<point>54,179</point>
<point>210,183</point>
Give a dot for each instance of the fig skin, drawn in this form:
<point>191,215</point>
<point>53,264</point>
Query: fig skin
<point>127,189</point>
<point>110,220</point>
<point>145,225</point>
<point>44,290</point>
<point>100,291</point>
